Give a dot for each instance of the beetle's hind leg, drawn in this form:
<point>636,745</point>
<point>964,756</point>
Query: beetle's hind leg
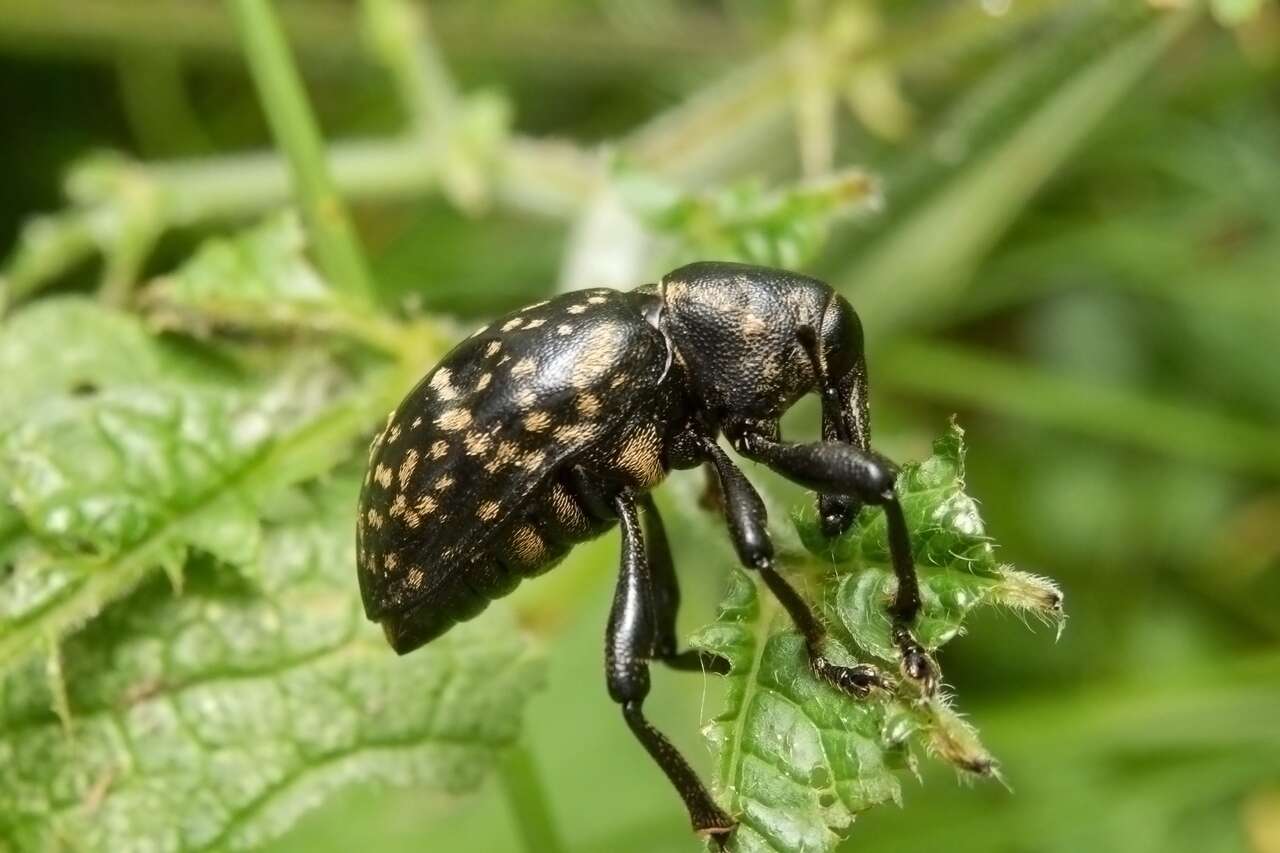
<point>629,642</point>
<point>666,600</point>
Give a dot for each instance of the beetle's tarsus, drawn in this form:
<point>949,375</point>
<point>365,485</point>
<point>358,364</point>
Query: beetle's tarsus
<point>857,681</point>
<point>915,663</point>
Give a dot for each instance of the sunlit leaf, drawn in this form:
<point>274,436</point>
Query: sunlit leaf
<point>783,227</point>
<point>258,279</point>
<point>212,718</point>
<point>797,760</point>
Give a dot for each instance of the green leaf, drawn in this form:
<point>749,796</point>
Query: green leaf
<point>120,453</point>
<point>60,346</point>
<point>1233,13</point>
<point>261,280</point>
<point>798,760</point>
<point>212,718</point>
<point>746,222</point>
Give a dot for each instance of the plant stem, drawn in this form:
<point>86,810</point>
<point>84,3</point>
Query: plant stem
<point>525,795</point>
<point>403,40</point>
<point>332,237</point>
<point>962,375</point>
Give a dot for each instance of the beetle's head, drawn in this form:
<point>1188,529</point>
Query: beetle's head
<point>740,332</point>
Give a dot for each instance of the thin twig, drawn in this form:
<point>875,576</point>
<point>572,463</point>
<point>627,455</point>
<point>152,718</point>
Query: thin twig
<point>332,237</point>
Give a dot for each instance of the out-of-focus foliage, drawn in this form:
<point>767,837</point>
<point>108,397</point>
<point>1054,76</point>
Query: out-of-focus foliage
<point>1075,245</point>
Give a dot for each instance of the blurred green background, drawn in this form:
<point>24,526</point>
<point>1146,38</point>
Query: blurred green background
<point>1077,249</point>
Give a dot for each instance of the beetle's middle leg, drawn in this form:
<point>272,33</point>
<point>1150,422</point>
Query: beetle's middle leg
<point>745,512</point>
<point>666,600</point>
<point>629,642</point>
<point>840,468</point>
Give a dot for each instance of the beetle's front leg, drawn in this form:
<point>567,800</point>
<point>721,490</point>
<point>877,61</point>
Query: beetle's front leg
<point>831,467</point>
<point>747,518</point>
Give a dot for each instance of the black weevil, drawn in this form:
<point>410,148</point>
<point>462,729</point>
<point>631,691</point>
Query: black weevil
<point>552,424</point>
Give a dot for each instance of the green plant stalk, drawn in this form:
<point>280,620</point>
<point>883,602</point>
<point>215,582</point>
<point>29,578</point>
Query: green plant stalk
<point>966,376</point>
<point>153,95</point>
<point>527,798</point>
<point>925,260</point>
<point>404,42</point>
<point>543,178</point>
<point>332,237</point>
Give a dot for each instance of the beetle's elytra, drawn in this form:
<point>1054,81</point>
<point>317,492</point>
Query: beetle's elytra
<point>551,425</point>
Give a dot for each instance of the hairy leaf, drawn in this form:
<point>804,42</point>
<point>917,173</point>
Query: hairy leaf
<point>259,279</point>
<point>118,456</point>
<point>65,346</point>
<point>797,760</point>
<point>747,222</point>
<point>210,719</point>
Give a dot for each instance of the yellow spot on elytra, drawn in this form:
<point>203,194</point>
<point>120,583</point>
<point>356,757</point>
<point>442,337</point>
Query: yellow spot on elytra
<point>453,419</point>
<point>439,449</point>
<point>564,329</point>
<point>383,475</point>
<point>442,483</point>
<point>503,360</point>
<point>488,510</point>
<point>415,577</point>
<point>442,384</point>
<point>588,405</point>
<point>503,455</point>
<point>417,422</point>
<point>536,421</point>
<point>406,467</point>
<point>395,433</point>
<point>574,433</point>
<point>533,324</point>
<point>522,368</point>
<point>391,561</point>
<point>532,459</point>
<point>375,519</point>
<point>596,356</point>
<point>492,349</point>
<point>595,300</point>
<point>398,506</point>
<point>513,323</point>
<point>477,443</point>
<point>619,380</point>
<point>524,398</point>
<point>426,505</point>
<point>483,383</point>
